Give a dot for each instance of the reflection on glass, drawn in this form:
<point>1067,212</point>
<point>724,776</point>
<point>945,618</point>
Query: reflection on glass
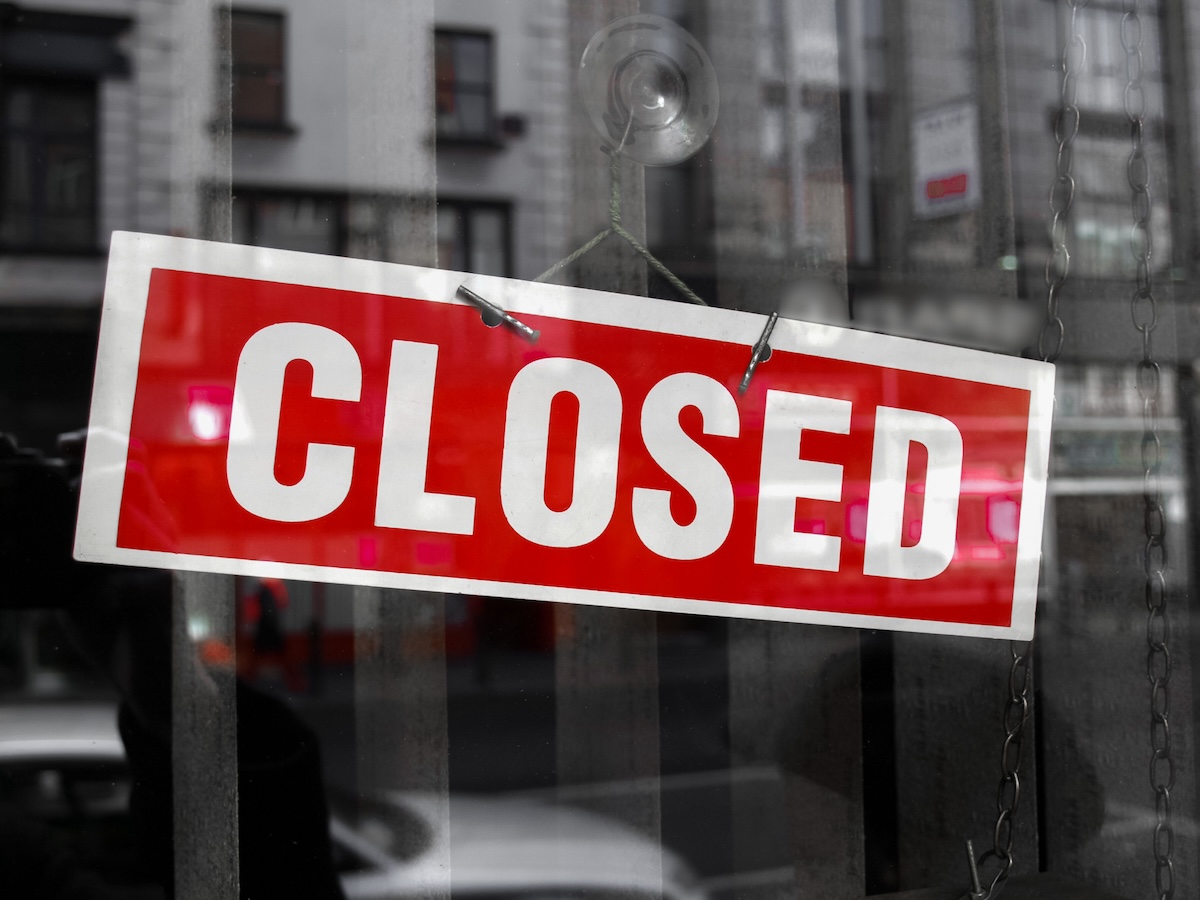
<point>770,760</point>
<point>489,241</point>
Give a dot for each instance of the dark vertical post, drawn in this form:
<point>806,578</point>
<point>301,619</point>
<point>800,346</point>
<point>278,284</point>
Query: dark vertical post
<point>204,708</point>
<point>204,744</point>
<point>1180,24</point>
<point>996,234</point>
<point>400,693</point>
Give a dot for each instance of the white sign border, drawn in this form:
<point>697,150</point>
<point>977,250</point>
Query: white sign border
<point>133,257</point>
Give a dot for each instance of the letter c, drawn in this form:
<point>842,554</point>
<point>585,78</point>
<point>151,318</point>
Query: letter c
<point>254,423</point>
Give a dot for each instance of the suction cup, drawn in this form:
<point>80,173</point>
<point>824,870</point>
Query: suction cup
<point>649,89</point>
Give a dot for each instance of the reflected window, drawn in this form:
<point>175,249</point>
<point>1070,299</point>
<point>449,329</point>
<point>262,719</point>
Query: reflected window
<point>308,222</point>
<point>257,41</point>
<point>464,86</point>
<point>474,237</point>
<point>1101,217</point>
<point>48,147</point>
<point>1102,83</point>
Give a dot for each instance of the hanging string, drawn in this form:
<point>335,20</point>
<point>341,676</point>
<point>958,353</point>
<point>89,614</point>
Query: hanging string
<point>615,227</point>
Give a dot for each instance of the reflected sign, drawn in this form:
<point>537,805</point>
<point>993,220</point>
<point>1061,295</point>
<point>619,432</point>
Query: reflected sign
<point>263,412</point>
<point>945,154</point>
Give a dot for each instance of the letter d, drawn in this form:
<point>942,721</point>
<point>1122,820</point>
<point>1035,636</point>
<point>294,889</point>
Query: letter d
<point>895,430</point>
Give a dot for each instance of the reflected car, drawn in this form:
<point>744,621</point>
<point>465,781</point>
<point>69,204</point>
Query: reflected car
<point>399,845</point>
<point>64,765</point>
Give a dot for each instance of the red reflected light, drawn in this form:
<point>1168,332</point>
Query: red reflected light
<point>856,521</point>
<point>914,530</point>
<point>987,553</point>
<point>208,413</point>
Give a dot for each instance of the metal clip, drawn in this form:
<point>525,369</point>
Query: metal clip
<point>761,353</point>
<point>488,308</point>
<point>976,889</point>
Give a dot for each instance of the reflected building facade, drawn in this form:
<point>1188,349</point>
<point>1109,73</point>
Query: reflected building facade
<point>883,165</point>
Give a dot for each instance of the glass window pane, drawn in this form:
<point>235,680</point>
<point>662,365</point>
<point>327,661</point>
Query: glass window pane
<point>258,66</point>
<point>463,85</point>
<point>18,175</point>
<point>445,75</point>
<point>307,224</point>
<point>472,116</point>
<point>49,166</point>
<point>257,98</point>
<point>68,186</point>
<point>18,107</point>
<point>242,211</point>
<point>451,246</point>
<point>472,63</point>
<point>257,40</point>
<point>66,112</point>
<point>489,242</point>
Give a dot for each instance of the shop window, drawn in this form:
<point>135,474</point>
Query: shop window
<point>257,40</point>
<point>48,147</point>
<point>465,100</point>
<point>591,750</point>
<point>474,237</point>
<point>311,223</point>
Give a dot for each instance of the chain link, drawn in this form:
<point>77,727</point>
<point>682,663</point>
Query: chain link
<point>1144,312</point>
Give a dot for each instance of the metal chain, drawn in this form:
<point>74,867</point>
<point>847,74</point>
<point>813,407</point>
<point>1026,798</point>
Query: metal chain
<point>1062,190</point>
<point>1144,311</point>
<point>1050,342</point>
<point>1008,791</point>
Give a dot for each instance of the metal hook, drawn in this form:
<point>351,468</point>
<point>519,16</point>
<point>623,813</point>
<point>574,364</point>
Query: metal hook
<point>486,306</point>
<point>762,352</point>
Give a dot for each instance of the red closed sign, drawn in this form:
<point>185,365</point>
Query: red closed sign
<point>274,413</point>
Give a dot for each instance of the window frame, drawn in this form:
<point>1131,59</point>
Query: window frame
<point>489,138</point>
<point>279,124</point>
<point>255,195</point>
<point>39,244</point>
